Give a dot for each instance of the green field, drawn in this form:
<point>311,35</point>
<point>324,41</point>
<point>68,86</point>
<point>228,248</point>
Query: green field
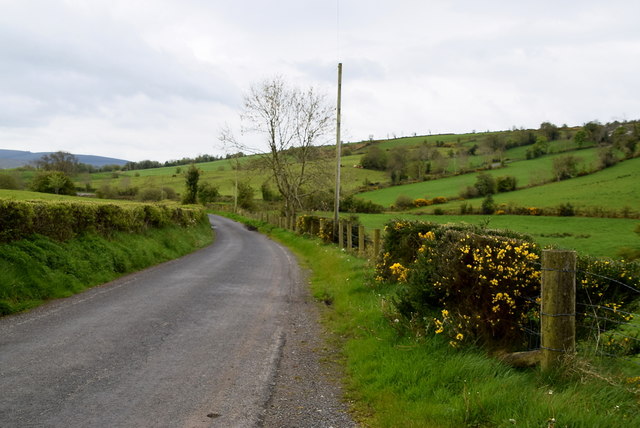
<point>616,187</point>
<point>599,237</point>
<point>527,173</point>
<point>221,174</point>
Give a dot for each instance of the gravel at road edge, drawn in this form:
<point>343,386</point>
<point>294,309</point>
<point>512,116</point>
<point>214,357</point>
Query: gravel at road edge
<point>307,389</point>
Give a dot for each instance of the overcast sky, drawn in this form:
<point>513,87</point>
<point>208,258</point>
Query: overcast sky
<point>157,79</point>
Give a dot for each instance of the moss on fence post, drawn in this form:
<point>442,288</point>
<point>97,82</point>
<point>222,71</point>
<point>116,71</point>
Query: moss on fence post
<point>558,310</point>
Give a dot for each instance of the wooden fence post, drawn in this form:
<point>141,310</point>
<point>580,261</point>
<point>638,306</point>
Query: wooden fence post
<point>361,240</point>
<point>376,243</point>
<point>340,233</point>
<point>558,307</point>
<point>349,236</point>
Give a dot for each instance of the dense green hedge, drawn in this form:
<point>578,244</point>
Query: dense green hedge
<point>61,220</point>
<point>40,268</point>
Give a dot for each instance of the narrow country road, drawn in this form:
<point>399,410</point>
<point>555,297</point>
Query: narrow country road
<point>192,342</point>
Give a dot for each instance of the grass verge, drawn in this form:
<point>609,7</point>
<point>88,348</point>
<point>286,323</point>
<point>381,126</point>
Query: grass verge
<point>38,269</point>
<point>400,381</point>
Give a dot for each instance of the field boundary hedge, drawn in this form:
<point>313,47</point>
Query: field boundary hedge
<point>64,220</point>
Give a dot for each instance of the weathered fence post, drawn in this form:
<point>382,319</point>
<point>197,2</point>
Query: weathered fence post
<point>340,234</point>
<point>376,243</point>
<point>361,240</point>
<point>349,236</point>
<point>321,227</point>
<point>558,307</point>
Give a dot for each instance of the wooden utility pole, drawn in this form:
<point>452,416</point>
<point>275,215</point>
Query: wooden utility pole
<point>558,307</point>
<point>336,205</point>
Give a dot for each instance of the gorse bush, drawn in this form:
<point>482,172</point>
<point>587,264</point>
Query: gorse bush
<point>472,285</point>
<point>483,286</point>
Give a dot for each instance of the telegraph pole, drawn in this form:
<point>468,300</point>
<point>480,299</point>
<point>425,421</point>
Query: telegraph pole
<point>336,206</point>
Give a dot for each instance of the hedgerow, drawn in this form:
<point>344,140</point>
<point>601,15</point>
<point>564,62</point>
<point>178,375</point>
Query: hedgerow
<point>61,220</point>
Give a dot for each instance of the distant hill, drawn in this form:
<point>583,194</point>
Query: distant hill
<point>18,158</point>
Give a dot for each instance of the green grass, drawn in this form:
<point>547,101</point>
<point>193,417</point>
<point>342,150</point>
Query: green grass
<point>614,187</point>
<point>598,237</point>
<point>35,270</point>
<point>400,382</point>
<point>220,174</point>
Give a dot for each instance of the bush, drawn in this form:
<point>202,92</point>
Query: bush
<point>403,202</point>
<point>439,200</point>
<point>53,182</point>
<point>208,193</point>
<point>488,205</point>
<point>471,284</point>
<point>566,210</point>
<point>151,194</point>
<point>420,202</point>
<point>506,184</point>
<point>9,182</point>
<point>375,159</point>
<point>485,184</point>
<point>268,194</point>
<point>245,196</point>
<point>351,204</point>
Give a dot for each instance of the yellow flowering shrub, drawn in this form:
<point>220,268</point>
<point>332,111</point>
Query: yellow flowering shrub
<point>484,282</point>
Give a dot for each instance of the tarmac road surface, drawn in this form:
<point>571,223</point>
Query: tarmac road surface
<point>192,342</point>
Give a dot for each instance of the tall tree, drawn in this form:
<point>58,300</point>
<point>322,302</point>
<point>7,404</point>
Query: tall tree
<point>58,161</point>
<point>191,181</point>
<point>293,121</point>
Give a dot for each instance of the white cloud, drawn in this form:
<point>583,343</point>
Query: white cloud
<point>157,79</point>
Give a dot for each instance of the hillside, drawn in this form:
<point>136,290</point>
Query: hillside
<point>17,158</point>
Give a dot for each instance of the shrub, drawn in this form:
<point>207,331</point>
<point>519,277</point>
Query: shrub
<point>420,202</point>
<point>485,184</point>
<point>488,205</point>
<point>439,200</point>
<point>506,184</point>
<point>351,204</point>
<point>208,193</point>
<point>375,159</point>
<point>191,183</point>
<point>566,210</point>
<point>151,194</point>
<point>565,167</point>
<point>470,284</point>
<point>268,194</point>
<point>466,208</point>
<point>53,182</point>
<point>403,202</point>
<point>9,182</point>
<point>245,196</point>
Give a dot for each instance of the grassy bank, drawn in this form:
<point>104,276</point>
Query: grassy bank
<point>398,381</point>
<point>38,269</point>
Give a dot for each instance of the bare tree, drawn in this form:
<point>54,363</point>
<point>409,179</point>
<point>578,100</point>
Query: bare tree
<point>294,121</point>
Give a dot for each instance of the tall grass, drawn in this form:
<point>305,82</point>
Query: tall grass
<point>38,269</point>
<point>402,382</point>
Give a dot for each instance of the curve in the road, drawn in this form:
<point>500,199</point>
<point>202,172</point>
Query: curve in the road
<point>192,342</point>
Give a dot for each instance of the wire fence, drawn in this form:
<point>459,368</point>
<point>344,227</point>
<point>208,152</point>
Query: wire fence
<point>607,324</point>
